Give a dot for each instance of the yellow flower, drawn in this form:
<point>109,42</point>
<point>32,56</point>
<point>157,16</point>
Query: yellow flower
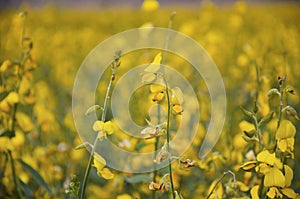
<point>274,177</point>
<point>177,100</point>
<point>106,174</point>
<point>285,136</point>
<point>150,5</point>
<point>254,192</point>
<point>124,196</point>
<point>246,126</point>
<point>99,164</point>
<point>12,98</point>
<point>274,193</point>
<point>247,166</point>
<point>266,157</point>
<point>290,193</point>
<point>149,76</point>
<point>240,185</point>
<point>24,122</point>
<point>218,192</point>
<point>288,175</point>
<point>5,65</point>
<point>103,128</point>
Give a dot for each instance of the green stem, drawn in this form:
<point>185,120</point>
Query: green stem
<point>158,108</point>
<point>155,154</point>
<point>258,130</point>
<point>168,135</point>
<point>261,188</point>
<point>105,106</point>
<point>19,193</point>
<point>258,82</point>
<point>281,103</point>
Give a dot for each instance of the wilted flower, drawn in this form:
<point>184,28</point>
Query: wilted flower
<point>153,131</point>
<point>187,163</point>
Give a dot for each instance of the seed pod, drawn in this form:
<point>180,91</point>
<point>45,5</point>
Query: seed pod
<point>266,119</point>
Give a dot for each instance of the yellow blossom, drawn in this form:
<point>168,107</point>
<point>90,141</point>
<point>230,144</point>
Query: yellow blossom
<point>254,192</point>
<point>274,178</point>
<point>285,136</point>
<point>289,192</point>
<point>99,164</point>
<point>103,128</point>
<point>274,192</point>
<point>150,5</point>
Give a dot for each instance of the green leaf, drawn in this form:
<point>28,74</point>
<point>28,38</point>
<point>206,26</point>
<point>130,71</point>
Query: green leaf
<point>83,146</point>
<point>5,132</point>
<point>93,109</point>
<point>36,176</point>
<point>3,95</point>
<point>28,193</point>
<point>247,113</point>
<point>138,179</point>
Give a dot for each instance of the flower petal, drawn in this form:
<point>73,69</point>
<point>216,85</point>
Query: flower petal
<point>285,130</point>
<point>282,145</point>
<point>288,175</point>
<point>155,65</point>
<point>289,192</point>
<point>177,96</point>
<point>98,125</point>
<point>254,192</point>
<point>272,192</point>
<point>106,174</point>
<point>99,162</point>
<point>108,127</point>
<point>274,178</point>
<point>266,157</point>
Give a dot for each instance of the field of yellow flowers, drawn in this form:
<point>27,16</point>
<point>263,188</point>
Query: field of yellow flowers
<point>256,48</point>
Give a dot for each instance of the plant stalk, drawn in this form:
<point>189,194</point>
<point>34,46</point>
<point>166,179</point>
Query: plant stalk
<point>168,135</point>
<point>105,106</point>
<point>19,193</point>
<point>158,108</point>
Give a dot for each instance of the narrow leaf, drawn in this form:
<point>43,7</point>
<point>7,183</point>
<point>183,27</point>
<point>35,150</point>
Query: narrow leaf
<point>247,113</point>
<point>28,193</point>
<point>266,119</point>
<point>93,109</point>
<point>36,176</point>
<point>83,146</point>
